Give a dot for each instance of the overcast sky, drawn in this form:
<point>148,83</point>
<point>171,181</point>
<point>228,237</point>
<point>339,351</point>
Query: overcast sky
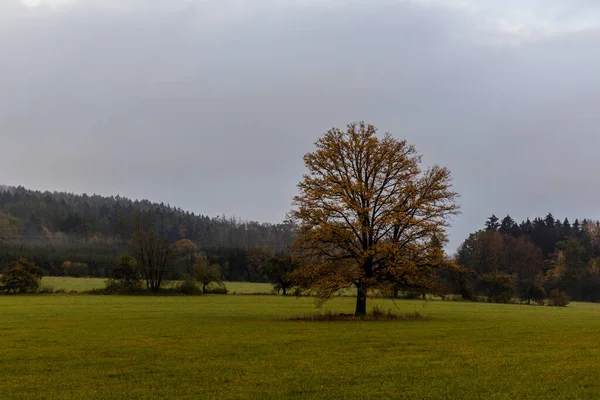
<point>210,104</point>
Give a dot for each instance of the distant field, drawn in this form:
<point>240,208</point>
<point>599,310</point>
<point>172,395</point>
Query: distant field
<point>82,284</point>
<point>222,347</point>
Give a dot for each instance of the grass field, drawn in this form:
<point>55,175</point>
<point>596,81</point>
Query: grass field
<point>83,284</point>
<point>138,347</point>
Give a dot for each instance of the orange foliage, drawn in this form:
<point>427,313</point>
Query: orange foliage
<point>368,215</point>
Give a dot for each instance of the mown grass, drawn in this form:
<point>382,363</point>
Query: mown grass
<point>246,347</point>
<point>83,284</point>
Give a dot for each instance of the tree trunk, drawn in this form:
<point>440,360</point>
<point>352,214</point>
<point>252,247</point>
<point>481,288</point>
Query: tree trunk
<point>204,287</point>
<point>284,290</point>
<point>361,301</point>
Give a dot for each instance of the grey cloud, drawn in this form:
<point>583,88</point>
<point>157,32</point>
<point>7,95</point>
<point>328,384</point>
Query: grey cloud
<point>214,114</point>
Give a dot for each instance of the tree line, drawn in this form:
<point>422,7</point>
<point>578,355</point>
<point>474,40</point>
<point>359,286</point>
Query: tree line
<point>90,232</point>
<point>530,259</point>
<point>64,218</point>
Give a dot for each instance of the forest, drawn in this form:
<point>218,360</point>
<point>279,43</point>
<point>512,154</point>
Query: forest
<point>530,259</point>
<point>91,231</point>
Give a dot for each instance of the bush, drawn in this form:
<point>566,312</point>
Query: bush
<point>115,287</point>
<point>558,299</point>
<point>124,277</point>
<point>216,289</point>
<point>46,289</point>
<point>188,286</point>
<point>21,277</point>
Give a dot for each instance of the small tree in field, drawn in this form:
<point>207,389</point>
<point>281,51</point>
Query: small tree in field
<point>369,216</point>
<point>21,277</point>
<point>206,273</point>
<point>277,270</point>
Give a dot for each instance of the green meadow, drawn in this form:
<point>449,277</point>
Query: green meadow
<point>83,284</point>
<point>246,347</point>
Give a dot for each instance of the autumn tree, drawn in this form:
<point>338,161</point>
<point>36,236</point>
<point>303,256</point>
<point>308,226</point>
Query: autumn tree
<point>366,215</point>
<point>21,277</point>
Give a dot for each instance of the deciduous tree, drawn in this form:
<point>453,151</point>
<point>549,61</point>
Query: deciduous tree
<point>206,273</point>
<point>277,270</point>
<point>367,214</point>
<point>153,253</point>
<point>21,277</point>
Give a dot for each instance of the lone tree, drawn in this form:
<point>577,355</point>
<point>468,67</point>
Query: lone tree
<point>206,273</point>
<point>277,269</point>
<point>368,215</point>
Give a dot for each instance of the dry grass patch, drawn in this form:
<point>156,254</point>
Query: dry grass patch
<point>378,314</point>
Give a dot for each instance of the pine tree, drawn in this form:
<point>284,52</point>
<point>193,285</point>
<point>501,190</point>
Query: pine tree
<point>576,229</point>
<point>567,230</point>
<point>526,227</point>
<point>492,223</point>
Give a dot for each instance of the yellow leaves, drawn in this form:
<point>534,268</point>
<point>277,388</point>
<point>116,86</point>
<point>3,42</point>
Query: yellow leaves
<point>365,201</point>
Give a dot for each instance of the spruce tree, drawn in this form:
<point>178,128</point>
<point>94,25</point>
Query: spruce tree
<point>492,223</point>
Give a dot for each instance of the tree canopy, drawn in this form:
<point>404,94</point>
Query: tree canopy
<point>367,215</point>
<point>531,259</point>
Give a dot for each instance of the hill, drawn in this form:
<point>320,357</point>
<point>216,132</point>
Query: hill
<point>51,227</point>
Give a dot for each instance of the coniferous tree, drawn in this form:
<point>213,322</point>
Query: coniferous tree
<point>576,228</point>
<point>567,230</point>
<point>506,226</point>
<point>492,223</point>
<point>526,227</point>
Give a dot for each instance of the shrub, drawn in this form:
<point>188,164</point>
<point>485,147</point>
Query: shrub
<point>46,289</point>
<point>114,287</point>
<point>124,277</point>
<point>21,277</point>
<point>216,289</point>
<point>558,299</point>
<point>188,286</point>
